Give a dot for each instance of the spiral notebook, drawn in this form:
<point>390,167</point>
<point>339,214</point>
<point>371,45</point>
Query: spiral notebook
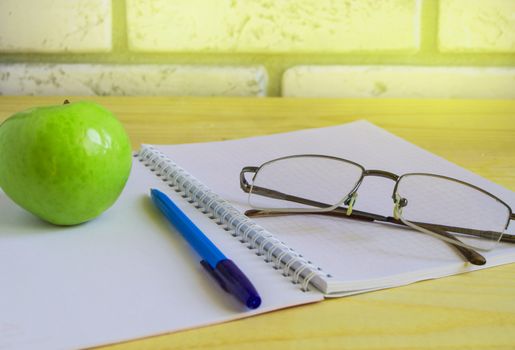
<point>124,275</point>
<point>337,257</point>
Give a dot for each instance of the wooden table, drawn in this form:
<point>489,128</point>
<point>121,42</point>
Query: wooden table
<point>475,310</point>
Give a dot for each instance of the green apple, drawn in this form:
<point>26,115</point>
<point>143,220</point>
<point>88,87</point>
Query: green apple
<point>66,164</point>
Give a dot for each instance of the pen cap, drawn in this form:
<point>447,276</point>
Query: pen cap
<point>238,284</point>
<point>233,281</point>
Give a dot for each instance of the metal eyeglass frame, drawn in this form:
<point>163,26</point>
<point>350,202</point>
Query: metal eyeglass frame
<point>441,231</point>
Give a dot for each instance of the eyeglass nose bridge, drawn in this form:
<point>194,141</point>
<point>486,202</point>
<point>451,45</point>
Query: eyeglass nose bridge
<point>372,172</point>
<point>381,173</point>
<point>399,201</point>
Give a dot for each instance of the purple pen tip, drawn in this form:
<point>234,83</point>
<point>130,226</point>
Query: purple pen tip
<point>253,302</point>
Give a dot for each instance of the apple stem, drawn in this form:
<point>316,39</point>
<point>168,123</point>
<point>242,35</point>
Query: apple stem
<point>66,102</point>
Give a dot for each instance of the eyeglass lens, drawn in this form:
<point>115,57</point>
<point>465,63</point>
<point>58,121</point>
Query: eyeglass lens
<point>473,216</point>
<point>321,179</point>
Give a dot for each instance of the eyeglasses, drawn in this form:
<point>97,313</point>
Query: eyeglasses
<point>463,215</point>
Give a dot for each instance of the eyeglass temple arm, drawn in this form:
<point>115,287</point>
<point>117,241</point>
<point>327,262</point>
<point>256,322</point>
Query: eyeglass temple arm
<point>471,255</point>
<point>341,212</point>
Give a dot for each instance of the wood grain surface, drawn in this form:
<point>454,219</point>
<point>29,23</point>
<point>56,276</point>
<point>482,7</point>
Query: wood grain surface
<point>468,311</point>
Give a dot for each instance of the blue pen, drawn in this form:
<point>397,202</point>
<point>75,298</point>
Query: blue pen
<point>224,271</point>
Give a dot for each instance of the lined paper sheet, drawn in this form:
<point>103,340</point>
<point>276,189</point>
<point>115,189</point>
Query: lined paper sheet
<point>122,276</point>
<point>356,255</point>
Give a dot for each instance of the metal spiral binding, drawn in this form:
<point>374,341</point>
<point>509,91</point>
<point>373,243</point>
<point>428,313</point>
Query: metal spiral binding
<point>293,265</point>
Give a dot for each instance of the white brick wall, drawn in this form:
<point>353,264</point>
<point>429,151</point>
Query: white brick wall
<point>322,48</point>
<point>477,26</point>
<point>298,26</point>
<point>55,25</point>
<point>398,82</point>
<point>87,79</point>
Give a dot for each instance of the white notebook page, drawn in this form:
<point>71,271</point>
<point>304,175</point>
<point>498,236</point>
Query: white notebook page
<point>356,255</point>
<point>124,275</point>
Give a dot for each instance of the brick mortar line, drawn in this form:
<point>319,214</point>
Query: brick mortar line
<point>431,58</point>
<point>429,26</point>
<point>119,26</point>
